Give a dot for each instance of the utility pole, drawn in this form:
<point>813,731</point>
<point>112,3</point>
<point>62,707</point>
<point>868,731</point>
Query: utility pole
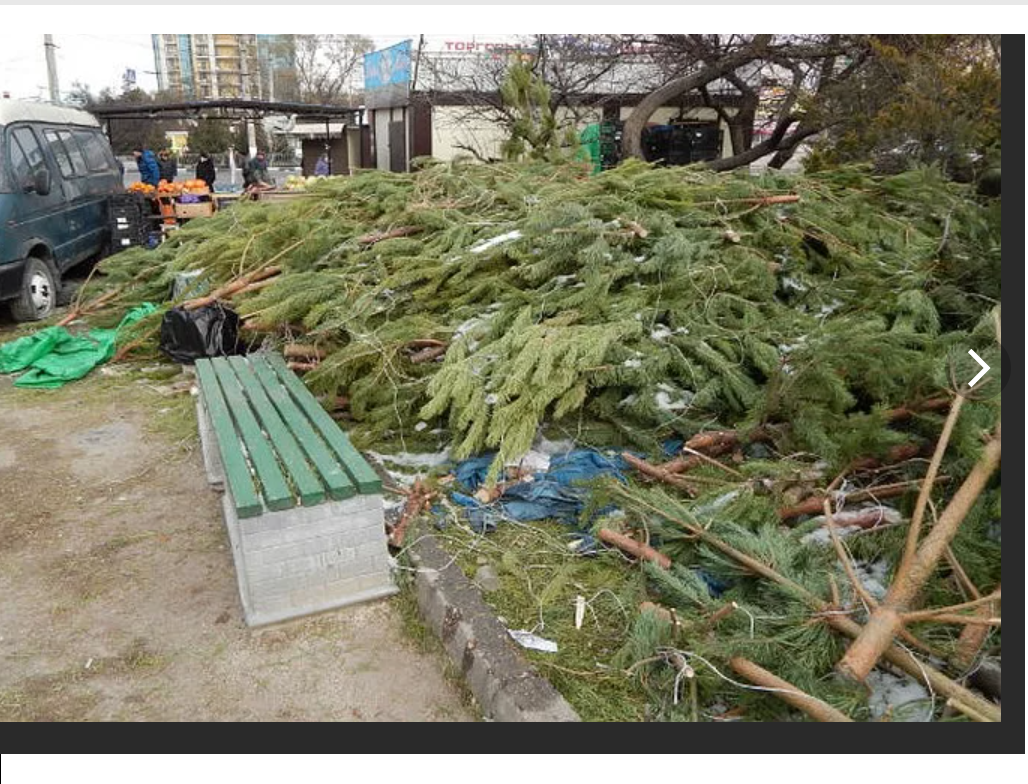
<point>251,129</point>
<point>51,68</point>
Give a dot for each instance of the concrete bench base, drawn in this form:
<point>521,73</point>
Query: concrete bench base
<point>302,560</point>
<point>308,560</point>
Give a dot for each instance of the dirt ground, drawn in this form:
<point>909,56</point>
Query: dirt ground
<point>119,593</point>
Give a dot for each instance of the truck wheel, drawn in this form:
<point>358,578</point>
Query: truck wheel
<point>38,292</point>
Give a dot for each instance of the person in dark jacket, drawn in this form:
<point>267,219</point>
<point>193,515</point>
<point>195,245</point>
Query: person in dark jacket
<point>168,165</point>
<point>255,173</point>
<point>205,169</point>
<point>149,170</point>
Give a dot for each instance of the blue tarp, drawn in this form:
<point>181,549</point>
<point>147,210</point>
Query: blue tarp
<point>557,494</point>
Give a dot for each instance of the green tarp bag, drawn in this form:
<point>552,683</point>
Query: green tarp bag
<point>53,356</point>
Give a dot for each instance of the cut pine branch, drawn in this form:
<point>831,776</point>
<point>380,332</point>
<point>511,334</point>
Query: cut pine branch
<point>914,531</point>
<point>428,354</point>
<point>897,454</point>
<point>887,619</point>
<point>303,352</point>
<point>231,288</point>
<point>762,201</point>
<point>641,551</point>
<point>378,236</point>
<point>815,504</point>
<point>972,638</point>
<point>894,654</point>
<point>785,691</point>
<point>656,472</point>
<point>419,498</point>
<point>82,310</point>
<point>907,412</point>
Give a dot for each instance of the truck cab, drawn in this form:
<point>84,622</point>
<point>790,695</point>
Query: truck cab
<point>57,171</point>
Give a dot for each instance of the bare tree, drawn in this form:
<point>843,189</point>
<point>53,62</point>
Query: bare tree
<point>579,72</point>
<point>328,67</point>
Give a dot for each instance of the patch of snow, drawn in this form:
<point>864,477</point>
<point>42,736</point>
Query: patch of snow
<point>639,258</point>
<point>632,363</point>
<point>831,307</point>
<point>665,401</point>
<point>533,460</point>
<point>874,576</point>
<point>717,503</point>
<point>492,399</point>
<point>562,279</point>
<point>682,331</point>
<point>823,537</point>
<point>790,347</point>
<point>389,503</point>
<point>415,460</point>
<point>629,401</point>
<point>482,247</point>
<point>661,333</point>
<point>899,697</point>
<point>420,426</point>
<point>888,515</point>
<point>544,446</point>
<point>794,284</point>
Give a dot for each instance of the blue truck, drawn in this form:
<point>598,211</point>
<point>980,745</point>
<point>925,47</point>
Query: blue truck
<point>57,172</point>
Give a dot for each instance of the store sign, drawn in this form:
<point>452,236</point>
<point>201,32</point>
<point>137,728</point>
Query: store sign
<point>387,75</point>
<point>567,44</point>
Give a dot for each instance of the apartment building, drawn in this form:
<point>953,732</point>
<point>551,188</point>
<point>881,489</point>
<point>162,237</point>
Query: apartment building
<point>215,65</point>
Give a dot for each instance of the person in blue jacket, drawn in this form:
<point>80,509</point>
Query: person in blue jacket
<point>149,169</point>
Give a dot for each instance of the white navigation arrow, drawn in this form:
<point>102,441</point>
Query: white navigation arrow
<point>982,372</point>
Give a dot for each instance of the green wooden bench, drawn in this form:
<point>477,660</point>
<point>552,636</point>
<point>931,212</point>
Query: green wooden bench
<point>302,506</point>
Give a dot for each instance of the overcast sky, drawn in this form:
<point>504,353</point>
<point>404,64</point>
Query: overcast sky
<point>96,60</point>
<point>100,60</point>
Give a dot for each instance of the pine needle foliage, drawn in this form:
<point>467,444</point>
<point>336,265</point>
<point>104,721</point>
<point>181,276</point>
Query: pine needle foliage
<point>644,302</point>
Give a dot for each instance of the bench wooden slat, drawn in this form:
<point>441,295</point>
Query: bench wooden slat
<point>304,480</point>
<point>363,474</point>
<point>276,492</point>
<point>338,482</point>
<point>237,472</point>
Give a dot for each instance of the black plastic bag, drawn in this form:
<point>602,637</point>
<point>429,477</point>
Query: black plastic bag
<point>210,331</point>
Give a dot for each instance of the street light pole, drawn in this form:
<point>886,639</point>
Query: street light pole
<point>251,129</point>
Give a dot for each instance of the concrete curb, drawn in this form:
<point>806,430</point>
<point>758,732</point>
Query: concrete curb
<point>504,683</point>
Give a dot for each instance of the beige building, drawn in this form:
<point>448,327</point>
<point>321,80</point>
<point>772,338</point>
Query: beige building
<point>438,97</point>
<point>211,65</point>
